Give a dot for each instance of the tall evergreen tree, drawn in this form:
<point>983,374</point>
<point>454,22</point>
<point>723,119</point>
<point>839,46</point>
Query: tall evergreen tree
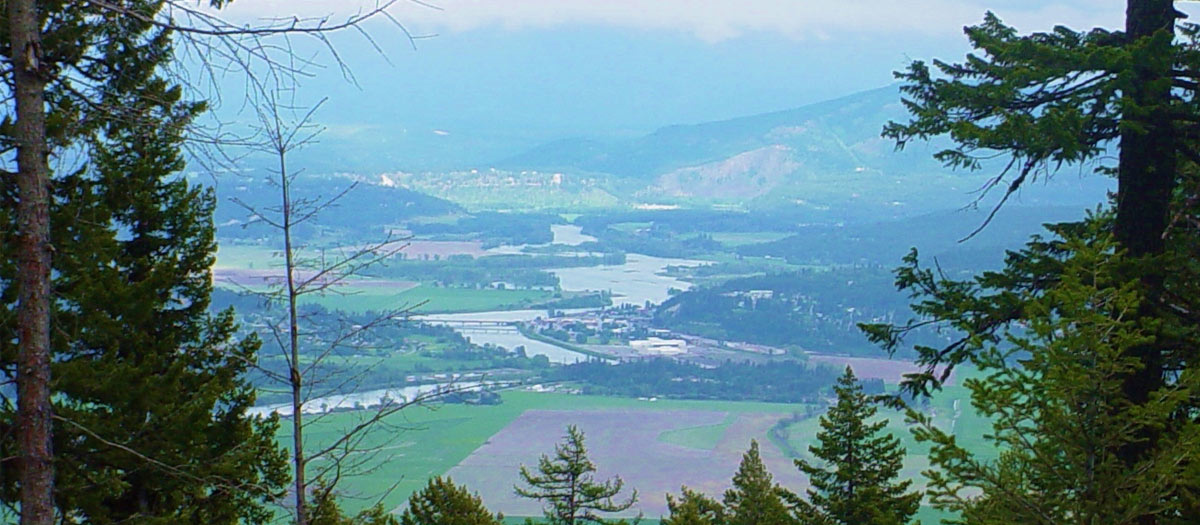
<point>1053,391</point>
<point>442,502</point>
<point>567,484</point>
<point>755,499</point>
<point>857,484</point>
<point>1060,98</point>
<point>694,508</point>
<point>149,402</point>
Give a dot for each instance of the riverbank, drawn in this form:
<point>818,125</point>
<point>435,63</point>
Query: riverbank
<point>562,344</point>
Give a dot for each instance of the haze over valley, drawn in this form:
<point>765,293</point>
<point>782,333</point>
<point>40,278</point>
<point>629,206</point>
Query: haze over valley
<point>567,262</point>
<point>758,240</point>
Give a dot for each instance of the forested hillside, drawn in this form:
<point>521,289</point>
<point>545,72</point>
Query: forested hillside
<point>810,310</point>
<point>359,210</point>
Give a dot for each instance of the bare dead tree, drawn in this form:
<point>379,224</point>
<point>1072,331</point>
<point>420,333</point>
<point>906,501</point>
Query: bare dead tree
<point>223,47</point>
<point>307,347</point>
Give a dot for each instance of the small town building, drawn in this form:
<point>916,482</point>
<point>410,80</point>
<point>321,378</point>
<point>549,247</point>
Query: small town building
<point>659,346</point>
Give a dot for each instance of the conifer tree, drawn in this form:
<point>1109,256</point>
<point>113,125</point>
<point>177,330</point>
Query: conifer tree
<point>567,484</point>
<point>149,404</point>
<point>694,508</point>
<point>857,483</point>
<point>1068,98</point>
<point>81,78</point>
<point>1053,392</point>
<point>755,499</point>
<point>442,502</point>
<point>324,510</point>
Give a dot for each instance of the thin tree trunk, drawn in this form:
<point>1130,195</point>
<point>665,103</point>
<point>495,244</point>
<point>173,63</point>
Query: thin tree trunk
<point>36,477</point>
<point>294,342</point>
<point>1146,177</point>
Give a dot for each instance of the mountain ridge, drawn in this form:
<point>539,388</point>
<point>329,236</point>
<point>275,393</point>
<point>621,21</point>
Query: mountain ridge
<point>825,155</point>
<point>690,145</point>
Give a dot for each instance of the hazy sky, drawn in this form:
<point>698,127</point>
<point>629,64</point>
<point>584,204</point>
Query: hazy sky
<point>708,20</point>
<point>507,74</point>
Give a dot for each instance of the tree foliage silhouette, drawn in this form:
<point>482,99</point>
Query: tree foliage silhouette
<point>567,485</point>
<point>442,502</point>
<point>857,480</point>
<point>1044,101</point>
<point>755,498</point>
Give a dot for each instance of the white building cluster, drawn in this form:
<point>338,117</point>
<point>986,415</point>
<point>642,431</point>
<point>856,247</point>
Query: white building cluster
<point>659,346</point>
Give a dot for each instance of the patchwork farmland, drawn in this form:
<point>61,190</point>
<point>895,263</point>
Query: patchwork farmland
<point>655,446</point>
<point>628,443</point>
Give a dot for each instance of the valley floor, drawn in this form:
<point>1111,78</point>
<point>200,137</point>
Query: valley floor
<point>655,445</point>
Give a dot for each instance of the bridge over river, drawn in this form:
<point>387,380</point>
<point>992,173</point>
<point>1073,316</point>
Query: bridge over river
<point>477,326</point>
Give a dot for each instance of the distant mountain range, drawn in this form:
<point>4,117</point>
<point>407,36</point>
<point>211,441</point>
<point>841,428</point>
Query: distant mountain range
<point>825,155</point>
<point>839,134</point>
<point>822,163</point>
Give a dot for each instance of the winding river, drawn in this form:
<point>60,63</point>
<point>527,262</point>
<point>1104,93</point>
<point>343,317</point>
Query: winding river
<point>639,280</point>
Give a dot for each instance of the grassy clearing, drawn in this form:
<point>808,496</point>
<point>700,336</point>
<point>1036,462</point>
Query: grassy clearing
<point>242,256</point>
<point>426,299</point>
<point>449,218</point>
<point>735,239</point>
<point>429,299</point>
<point>701,438</point>
<point>423,442</point>
<point>397,362</point>
<point>630,227</point>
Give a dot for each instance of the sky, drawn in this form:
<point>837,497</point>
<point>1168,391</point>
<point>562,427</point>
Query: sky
<point>489,78</point>
<point>708,20</point>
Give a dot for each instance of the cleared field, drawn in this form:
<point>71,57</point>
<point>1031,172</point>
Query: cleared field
<point>702,437</point>
<point>240,278</point>
<point>630,227</point>
<point>230,255</point>
<point>655,446</point>
<point>361,297</point>
<point>625,443</point>
<point>423,442</point>
<point>735,239</point>
<point>418,249</point>
<point>891,371</point>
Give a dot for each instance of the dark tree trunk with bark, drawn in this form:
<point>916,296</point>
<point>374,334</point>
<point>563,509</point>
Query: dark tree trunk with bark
<point>33,275</point>
<point>1147,160</point>
<point>1146,176</point>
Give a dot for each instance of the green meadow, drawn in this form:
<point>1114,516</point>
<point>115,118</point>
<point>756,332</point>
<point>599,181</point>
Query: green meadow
<point>427,441</point>
<point>428,299</point>
<point>421,442</point>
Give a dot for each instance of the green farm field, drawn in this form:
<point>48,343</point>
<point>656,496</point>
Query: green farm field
<point>429,299</point>
<point>734,239</point>
<point>362,295</point>
<point>425,442</point>
<point>703,437</point>
<point>425,299</point>
<point>230,255</point>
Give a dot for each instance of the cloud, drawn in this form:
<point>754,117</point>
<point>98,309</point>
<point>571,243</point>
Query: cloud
<point>709,20</point>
